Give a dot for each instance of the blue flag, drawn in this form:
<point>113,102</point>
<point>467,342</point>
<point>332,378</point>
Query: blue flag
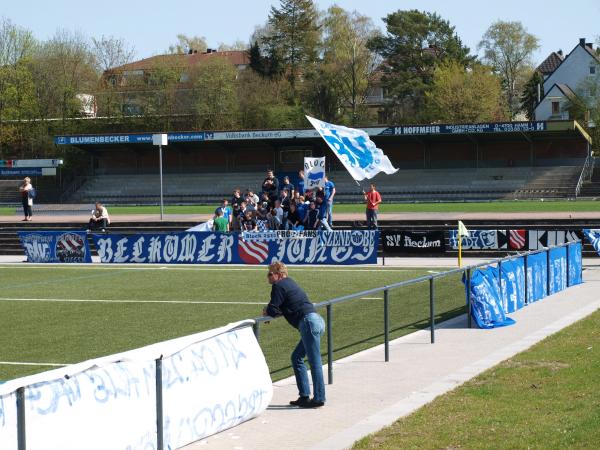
<point>594,236</point>
<point>359,155</point>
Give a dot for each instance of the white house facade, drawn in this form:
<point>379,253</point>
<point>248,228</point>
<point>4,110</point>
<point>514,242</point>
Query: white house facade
<point>568,81</point>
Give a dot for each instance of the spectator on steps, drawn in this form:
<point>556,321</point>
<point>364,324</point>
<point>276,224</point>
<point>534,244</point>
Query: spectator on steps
<point>99,219</point>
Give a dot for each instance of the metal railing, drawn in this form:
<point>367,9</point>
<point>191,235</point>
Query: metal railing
<point>466,271</point>
<point>586,173</point>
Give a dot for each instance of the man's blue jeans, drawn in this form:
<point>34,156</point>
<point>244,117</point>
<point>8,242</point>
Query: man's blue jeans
<point>311,327</point>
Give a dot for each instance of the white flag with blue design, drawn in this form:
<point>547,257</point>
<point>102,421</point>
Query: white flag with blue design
<point>594,236</point>
<point>355,150</point>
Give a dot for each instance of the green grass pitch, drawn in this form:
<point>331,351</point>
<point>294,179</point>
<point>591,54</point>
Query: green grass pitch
<point>67,314</point>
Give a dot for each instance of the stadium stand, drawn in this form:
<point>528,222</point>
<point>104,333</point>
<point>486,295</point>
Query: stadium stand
<point>9,191</point>
<point>404,186</point>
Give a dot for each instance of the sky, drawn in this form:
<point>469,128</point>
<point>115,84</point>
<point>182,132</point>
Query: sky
<point>150,26</point>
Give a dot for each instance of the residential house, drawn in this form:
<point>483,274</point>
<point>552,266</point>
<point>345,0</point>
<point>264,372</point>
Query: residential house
<point>137,85</point>
<point>567,79</point>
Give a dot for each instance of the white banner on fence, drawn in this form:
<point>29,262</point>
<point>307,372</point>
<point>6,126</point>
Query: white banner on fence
<point>211,381</point>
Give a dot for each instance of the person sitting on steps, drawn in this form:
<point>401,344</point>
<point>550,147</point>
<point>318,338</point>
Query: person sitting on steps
<point>99,218</point>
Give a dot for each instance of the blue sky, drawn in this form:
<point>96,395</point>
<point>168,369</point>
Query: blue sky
<point>152,25</point>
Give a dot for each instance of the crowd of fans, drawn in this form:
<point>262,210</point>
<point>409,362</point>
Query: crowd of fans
<point>278,206</point>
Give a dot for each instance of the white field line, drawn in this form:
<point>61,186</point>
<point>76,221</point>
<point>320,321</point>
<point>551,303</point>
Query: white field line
<point>371,298</point>
<point>198,267</point>
<point>82,300</point>
<point>14,363</point>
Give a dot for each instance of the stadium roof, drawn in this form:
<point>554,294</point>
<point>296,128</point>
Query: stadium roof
<point>498,130</point>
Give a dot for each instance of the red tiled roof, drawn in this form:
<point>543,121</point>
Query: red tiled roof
<point>550,64</point>
<point>236,57</point>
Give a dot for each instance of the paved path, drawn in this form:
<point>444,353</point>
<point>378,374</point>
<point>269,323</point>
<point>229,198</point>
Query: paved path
<point>369,393</point>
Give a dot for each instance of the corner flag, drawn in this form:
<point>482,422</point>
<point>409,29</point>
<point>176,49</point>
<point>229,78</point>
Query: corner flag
<point>355,150</point>
<point>462,231</point>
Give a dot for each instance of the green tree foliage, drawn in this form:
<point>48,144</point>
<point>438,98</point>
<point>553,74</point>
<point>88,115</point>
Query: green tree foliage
<point>263,103</point>
<point>342,78</point>
<point>585,107</point>
<point>215,88</point>
<point>186,43</point>
<point>415,44</point>
<point>293,38</point>
<point>508,48</point>
<point>464,95</point>
<point>529,96</point>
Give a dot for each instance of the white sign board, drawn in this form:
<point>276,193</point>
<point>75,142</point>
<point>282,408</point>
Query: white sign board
<point>314,171</point>
<point>160,139</point>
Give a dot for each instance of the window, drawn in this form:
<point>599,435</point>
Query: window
<point>592,70</point>
<point>555,108</point>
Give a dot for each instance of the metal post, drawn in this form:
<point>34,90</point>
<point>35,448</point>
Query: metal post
<point>469,298</point>
<point>386,324</point>
<point>432,309</point>
<point>159,405</point>
<point>21,436</point>
<point>526,283</point>
<point>547,271</point>
<point>160,158</point>
<point>256,329</point>
<point>329,347</point>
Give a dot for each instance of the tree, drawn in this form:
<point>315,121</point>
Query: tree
<point>62,68</point>
<point>186,43</point>
<point>294,37</point>
<point>214,85</point>
<point>16,43</point>
<point>236,46</point>
<point>508,48</point>
<point>109,52</point>
<point>464,95</point>
<point>263,103</point>
<point>529,96</point>
<point>415,44</point>
<point>347,64</point>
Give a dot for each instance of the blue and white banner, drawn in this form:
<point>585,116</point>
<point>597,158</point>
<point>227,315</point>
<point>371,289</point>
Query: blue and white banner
<point>314,172</point>
<point>537,277</point>
<point>486,304</point>
<point>513,284</point>
<point>476,240</point>
<point>336,247</point>
<point>55,246</point>
<point>575,263</point>
<point>594,236</point>
<point>356,151</point>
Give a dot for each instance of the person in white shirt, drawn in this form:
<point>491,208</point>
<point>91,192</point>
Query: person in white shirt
<point>99,219</point>
<point>26,198</point>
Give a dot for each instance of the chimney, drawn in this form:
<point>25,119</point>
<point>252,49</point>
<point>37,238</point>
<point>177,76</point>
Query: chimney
<point>582,42</point>
<point>560,53</point>
<point>590,45</point>
<point>190,51</point>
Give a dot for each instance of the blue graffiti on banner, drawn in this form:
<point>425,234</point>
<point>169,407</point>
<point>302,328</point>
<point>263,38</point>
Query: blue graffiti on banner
<point>513,285</point>
<point>558,269</point>
<point>594,236</point>
<point>486,304</point>
<point>338,247</point>
<point>537,277</point>
<point>575,262</point>
<point>55,246</point>
<point>477,240</point>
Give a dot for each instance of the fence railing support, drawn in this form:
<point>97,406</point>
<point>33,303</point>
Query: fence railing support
<point>469,298</point>
<point>526,296</point>
<point>329,346</point>
<point>432,310</point>
<point>386,324</point>
<point>547,271</point>
<point>21,436</point>
<point>159,406</point>
<point>567,259</point>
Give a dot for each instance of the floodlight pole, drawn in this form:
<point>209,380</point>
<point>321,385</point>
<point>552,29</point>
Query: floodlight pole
<point>161,180</point>
<point>160,140</point>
